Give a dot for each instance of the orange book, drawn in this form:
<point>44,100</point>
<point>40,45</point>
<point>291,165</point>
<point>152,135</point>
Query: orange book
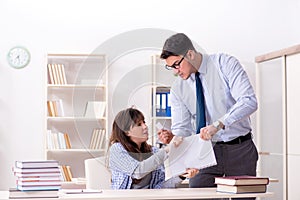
<point>69,172</point>
<point>50,109</point>
<point>66,173</point>
<point>55,108</point>
<point>63,172</point>
<point>67,139</point>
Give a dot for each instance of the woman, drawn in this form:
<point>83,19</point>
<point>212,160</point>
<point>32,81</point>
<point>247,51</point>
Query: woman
<point>134,164</point>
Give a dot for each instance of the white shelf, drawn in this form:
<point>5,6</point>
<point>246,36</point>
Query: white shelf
<point>76,150</point>
<point>73,81</point>
<point>161,118</point>
<point>59,86</point>
<point>75,118</point>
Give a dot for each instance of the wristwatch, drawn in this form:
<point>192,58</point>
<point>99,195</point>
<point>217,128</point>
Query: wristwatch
<point>218,125</point>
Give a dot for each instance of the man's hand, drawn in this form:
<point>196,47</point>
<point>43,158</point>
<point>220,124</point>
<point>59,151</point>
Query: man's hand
<point>177,140</point>
<point>165,136</point>
<point>206,133</point>
<point>190,173</point>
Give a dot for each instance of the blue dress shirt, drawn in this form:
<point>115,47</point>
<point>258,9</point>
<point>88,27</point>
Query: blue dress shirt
<point>229,98</point>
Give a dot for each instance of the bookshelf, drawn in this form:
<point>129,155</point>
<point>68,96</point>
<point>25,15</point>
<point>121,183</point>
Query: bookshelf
<point>162,81</point>
<point>74,81</point>
<point>278,133</point>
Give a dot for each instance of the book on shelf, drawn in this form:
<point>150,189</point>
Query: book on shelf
<point>36,164</point>
<point>14,193</point>
<point>67,140</point>
<point>58,140</point>
<point>66,173</point>
<point>95,109</point>
<point>162,104</point>
<point>50,107</point>
<point>98,139</point>
<point>50,74</point>
<point>53,71</point>
<point>238,189</point>
<point>242,180</point>
<point>55,108</point>
<point>56,74</point>
<point>60,73</point>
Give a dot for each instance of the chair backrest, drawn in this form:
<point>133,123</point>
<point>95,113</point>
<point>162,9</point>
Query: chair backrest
<point>96,173</point>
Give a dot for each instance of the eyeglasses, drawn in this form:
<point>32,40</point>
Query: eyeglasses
<point>175,65</point>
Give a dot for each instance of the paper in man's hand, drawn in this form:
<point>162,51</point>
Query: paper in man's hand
<point>193,152</point>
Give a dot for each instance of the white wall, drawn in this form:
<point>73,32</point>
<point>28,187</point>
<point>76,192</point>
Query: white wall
<point>242,28</point>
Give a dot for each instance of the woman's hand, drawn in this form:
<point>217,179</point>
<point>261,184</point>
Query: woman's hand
<point>165,136</point>
<point>177,140</point>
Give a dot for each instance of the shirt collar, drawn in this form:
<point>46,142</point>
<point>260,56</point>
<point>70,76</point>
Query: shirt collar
<point>202,68</point>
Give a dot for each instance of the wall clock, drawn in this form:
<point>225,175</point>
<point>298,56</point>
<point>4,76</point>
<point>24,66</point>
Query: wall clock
<point>18,57</point>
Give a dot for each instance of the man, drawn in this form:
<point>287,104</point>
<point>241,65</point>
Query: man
<point>229,100</point>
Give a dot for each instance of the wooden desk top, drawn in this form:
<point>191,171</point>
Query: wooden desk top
<point>151,194</point>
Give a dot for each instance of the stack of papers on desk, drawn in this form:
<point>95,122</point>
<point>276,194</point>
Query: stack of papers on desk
<point>193,152</point>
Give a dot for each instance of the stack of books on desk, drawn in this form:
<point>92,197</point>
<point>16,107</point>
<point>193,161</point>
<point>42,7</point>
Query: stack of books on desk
<point>36,179</point>
<point>242,184</point>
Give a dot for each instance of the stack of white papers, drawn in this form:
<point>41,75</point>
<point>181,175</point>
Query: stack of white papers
<point>193,152</point>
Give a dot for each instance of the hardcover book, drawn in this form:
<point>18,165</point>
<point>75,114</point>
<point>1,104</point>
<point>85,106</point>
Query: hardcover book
<point>36,170</point>
<point>38,187</point>
<point>238,189</point>
<point>242,180</point>
<point>36,164</point>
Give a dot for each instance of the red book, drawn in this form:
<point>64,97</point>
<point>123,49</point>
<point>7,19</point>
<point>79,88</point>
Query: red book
<point>242,180</point>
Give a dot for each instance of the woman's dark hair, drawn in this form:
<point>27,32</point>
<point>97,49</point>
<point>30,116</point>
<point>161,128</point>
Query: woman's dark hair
<point>124,120</point>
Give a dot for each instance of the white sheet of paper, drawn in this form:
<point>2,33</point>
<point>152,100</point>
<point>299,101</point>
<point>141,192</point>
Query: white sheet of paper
<point>193,152</point>
<point>166,125</point>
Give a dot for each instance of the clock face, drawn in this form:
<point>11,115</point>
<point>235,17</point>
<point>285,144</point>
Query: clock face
<point>18,57</point>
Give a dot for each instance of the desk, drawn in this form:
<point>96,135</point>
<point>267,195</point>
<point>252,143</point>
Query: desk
<point>151,194</point>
